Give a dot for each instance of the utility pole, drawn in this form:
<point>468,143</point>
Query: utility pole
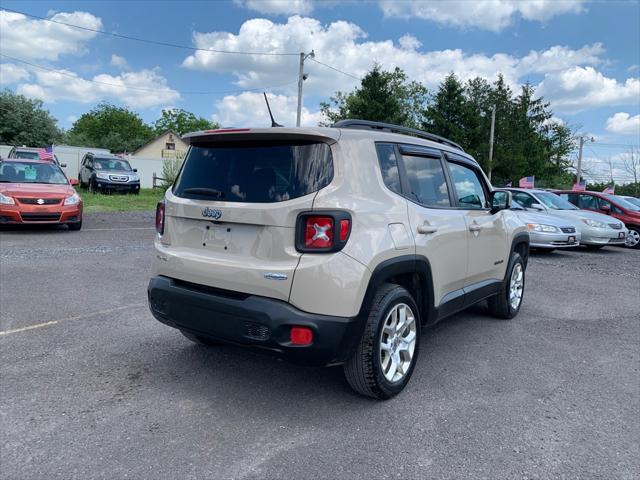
<point>579,169</point>
<point>301,78</point>
<point>493,125</point>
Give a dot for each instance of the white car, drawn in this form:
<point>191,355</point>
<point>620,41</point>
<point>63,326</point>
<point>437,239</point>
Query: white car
<point>548,232</point>
<point>596,230</point>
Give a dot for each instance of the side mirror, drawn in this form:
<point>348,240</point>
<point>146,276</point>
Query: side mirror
<point>73,181</point>
<point>135,170</point>
<point>537,206</point>
<point>500,200</point>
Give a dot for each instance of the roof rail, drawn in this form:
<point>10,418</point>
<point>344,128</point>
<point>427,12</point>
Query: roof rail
<point>389,127</point>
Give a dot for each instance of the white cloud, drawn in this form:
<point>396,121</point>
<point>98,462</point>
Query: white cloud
<point>118,61</point>
<point>150,88</point>
<point>581,88</point>
<point>624,124</point>
<point>250,109</point>
<point>11,73</point>
<point>278,7</point>
<point>38,39</point>
<point>492,15</point>
<point>344,45</point>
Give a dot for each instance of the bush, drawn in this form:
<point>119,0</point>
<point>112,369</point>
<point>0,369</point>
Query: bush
<point>170,170</point>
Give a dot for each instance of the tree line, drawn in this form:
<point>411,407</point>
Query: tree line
<point>26,122</point>
<point>527,141</point>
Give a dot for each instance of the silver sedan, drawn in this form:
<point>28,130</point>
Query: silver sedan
<point>547,231</point>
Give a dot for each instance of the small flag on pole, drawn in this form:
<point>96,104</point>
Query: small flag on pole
<point>46,153</point>
<point>527,182</point>
<point>611,190</point>
<point>580,186</point>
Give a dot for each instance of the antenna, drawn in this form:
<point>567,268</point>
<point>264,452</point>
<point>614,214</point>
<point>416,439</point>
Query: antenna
<point>273,122</point>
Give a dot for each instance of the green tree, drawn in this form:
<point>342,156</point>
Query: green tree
<point>181,122</point>
<point>382,97</point>
<point>447,113</point>
<point>24,122</point>
<point>107,126</point>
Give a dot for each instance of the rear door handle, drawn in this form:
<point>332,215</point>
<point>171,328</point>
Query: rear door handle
<point>474,227</point>
<point>426,229</point>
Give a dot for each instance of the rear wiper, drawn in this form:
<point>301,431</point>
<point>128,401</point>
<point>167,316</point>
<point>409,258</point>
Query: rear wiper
<point>211,192</point>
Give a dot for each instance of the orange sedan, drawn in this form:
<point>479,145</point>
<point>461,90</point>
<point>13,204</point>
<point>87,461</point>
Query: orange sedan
<point>37,192</point>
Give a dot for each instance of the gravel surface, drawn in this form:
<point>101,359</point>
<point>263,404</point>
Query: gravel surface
<point>101,390</point>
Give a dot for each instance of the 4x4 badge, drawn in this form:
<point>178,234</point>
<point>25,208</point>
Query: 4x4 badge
<point>211,213</point>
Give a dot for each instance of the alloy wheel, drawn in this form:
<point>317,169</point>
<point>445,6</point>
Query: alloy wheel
<point>633,238</point>
<point>398,342</point>
<point>516,286</point>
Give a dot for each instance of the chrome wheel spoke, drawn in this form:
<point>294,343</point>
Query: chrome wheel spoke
<point>397,342</point>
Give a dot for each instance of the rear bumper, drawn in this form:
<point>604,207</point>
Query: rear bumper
<point>252,321</point>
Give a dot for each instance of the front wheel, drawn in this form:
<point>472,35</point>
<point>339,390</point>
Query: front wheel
<point>633,238</point>
<point>506,304</point>
<point>386,355</point>
<point>75,226</point>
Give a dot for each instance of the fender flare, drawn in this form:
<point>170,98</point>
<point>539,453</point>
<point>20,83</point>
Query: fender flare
<point>521,238</point>
<point>406,264</point>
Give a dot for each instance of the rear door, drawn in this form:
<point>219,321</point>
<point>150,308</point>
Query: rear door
<point>488,249</point>
<point>439,230</point>
<point>231,215</point>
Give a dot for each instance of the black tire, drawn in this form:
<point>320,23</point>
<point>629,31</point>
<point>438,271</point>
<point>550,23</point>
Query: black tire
<point>80,184</point>
<point>500,305</point>
<point>91,186</point>
<point>75,226</point>
<point>594,247</point>
<point>634,231</point>
<point>200,339</point>
<point>364,370</point>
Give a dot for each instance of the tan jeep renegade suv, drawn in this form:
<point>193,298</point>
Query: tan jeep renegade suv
<point>332,246</point>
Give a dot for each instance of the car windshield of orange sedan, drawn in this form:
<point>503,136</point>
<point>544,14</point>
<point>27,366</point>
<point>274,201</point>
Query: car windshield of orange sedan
<point>30,172</point>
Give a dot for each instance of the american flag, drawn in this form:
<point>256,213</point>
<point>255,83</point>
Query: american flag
<point>611,189</point>
<point>526,182</point>
<point>46,153</point>
<point>580,186</point>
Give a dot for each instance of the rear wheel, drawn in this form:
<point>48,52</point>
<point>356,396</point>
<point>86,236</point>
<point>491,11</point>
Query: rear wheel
<point>92,186</point>
<point>633,238</point>
<point>506,304</point>
<point>386,355</point>
<point>199,339</point>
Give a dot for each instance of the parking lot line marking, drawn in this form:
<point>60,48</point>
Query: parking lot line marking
<point>30,327</point>
<point>110,229</point>
<point>75,317</point>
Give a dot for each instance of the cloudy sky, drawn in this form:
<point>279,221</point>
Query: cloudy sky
<point>584,57</point>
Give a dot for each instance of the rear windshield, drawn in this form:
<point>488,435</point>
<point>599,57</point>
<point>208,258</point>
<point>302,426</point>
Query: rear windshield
<point>259,173</point>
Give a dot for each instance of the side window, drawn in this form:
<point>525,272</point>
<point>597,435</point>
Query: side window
<point>468,187</point>
<point>84,161</point>
<point>389,166</point>
<point>587,202</point>
<point>603,203</point>
<point>426,180</point>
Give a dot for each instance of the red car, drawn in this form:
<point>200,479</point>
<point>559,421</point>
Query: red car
<point>617,207</point>
<point>37,192</point>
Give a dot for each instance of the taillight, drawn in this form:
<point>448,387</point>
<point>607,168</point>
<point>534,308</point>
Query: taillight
<point>160,218</point>
<point>322,231</point>
<point>318,232</point>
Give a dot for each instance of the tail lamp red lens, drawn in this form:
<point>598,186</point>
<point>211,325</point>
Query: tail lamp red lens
<point>160,218</point>
<point>345,229</point>
<point>301,336</point>
<point>318,232</point>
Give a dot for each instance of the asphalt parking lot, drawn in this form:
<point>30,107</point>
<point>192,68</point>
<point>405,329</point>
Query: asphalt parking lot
<point>91,386</point>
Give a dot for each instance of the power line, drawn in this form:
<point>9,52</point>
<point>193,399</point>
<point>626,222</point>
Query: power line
<point>616,145</point>
<point>142,89</point>
<point>145,40</point>
<point>336,69</point>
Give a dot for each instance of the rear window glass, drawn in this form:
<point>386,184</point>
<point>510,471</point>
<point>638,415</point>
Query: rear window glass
<point>259,173</point>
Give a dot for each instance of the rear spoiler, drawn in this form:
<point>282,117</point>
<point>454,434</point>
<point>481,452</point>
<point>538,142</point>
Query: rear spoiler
<point>241,135</point>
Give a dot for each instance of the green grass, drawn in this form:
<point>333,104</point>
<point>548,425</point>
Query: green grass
<point>121,202</point>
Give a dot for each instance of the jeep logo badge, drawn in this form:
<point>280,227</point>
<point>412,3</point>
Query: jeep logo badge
<point>211,213</point>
